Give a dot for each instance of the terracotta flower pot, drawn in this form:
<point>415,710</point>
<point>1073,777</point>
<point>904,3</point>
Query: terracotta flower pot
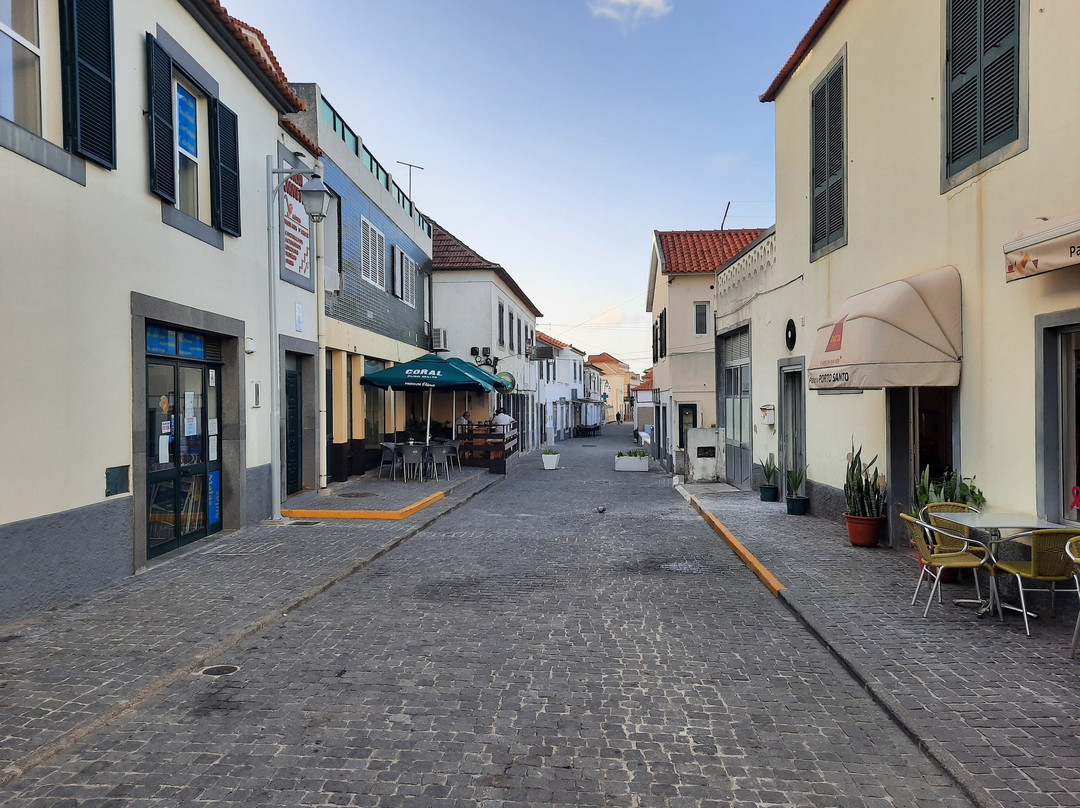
<point>864,531</point>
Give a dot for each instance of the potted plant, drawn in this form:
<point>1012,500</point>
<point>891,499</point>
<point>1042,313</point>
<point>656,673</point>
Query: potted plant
<point>950,488</point>
<point>550,458</point>
<point>864,494</point>
<point>796,503</point>
<point>632,460</point>
<point>770,491</point>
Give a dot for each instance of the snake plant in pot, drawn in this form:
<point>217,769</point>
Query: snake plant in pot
<point>865,496</point>
<point>796,503</point>
<point>770,491</point>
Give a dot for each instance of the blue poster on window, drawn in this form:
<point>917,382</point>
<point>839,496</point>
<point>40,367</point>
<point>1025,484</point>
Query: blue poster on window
<point>213,487</point>
<point>160,340</point>
<point>186,122</point>
<point>191,345</point>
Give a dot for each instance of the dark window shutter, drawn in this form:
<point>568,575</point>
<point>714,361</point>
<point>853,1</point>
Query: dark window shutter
<point>827,216</point>
<point>1001,74</point>
<point>983,67</point>
<point>224,168</point>
<point>160,121</point>
<point>86,32</point>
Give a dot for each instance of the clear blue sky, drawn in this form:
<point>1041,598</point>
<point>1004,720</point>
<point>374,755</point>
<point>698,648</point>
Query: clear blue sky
<point>557,135</point>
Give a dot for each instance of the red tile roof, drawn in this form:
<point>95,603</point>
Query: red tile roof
<point>254,44</point>
<point>449,253</point>
<point>603,357</point>
<point>553,341</point>
<point>691,251</point>
<point>646,381</point>
<point>802,49</point>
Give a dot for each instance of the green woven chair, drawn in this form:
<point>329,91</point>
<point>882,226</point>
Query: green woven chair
<point>1072,550</point>
<point>1049,564</point>
<point>972,555</point>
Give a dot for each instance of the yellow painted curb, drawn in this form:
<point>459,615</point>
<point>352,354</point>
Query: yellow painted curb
<point>402,513</point>
<point>771,581</point>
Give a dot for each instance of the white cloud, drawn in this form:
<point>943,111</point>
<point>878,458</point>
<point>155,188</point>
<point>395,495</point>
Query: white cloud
<point>630,12</point>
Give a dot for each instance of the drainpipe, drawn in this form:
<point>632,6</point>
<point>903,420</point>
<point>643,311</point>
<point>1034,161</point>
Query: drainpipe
<point>320,319</point>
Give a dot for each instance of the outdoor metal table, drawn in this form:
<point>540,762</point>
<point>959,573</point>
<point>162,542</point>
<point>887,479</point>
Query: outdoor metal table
<point>993,523</point>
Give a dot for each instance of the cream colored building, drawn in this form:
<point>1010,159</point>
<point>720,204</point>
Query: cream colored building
<point>616,379</point>
<point>890,165</point>
<point>136,322</point>
<point>681,298</point>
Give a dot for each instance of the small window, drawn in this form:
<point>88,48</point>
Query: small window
<point>701,319</point>
<point>186,122</point>
<point>982,79</point>
<point>502,325</point>
<point>404,277</point>
<point>194,139</point>
<point>511,322</point>
<point>372,254</point>
<point>20,64</point>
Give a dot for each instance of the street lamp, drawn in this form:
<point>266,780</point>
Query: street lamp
<point>315,197</point>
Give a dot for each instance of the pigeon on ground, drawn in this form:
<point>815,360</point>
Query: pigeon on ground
<point>601,509</point>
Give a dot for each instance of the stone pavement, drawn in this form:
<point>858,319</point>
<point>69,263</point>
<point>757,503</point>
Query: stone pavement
<point>569,637</point>
<point>999,710</point>
<point>69,671</point>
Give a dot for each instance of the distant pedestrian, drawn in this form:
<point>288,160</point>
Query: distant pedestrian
<point>618,417</point>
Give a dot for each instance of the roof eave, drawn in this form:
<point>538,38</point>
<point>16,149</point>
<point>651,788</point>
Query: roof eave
<point>803,48</point>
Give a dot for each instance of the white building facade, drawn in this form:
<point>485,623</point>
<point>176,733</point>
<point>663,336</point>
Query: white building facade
<point>142,420</point>
<point>481,315</point>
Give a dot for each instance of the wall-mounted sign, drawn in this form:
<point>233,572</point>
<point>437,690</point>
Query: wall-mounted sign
<point>295,232</point>
<point>507,377</point>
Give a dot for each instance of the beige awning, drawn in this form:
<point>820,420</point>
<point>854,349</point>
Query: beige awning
<point>1048,244</point>
<point>903,334</point>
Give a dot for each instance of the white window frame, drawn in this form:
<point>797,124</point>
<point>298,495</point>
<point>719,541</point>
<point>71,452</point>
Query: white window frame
<point>705,332</point>
<point>202,134</point>
<point>36,50</point>
<point>372,254</point>
<point>405,269</point>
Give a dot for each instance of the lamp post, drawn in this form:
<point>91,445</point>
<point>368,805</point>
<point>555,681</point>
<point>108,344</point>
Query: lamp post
<point>315,197</point>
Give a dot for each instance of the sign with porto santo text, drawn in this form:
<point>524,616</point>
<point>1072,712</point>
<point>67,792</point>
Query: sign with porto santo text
<point>295,230</point>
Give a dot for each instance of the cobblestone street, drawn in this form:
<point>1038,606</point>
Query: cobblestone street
<point>608,652</point>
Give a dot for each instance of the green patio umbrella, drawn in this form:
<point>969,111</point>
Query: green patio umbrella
<point>430,371</point>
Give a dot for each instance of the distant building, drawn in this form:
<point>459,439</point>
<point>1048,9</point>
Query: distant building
<point>681,299</point>
<point>482,315</point>
<point>376,291</point>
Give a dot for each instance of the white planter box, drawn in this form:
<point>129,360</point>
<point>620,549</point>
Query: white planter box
<point>626,463</point>
<point>551,461</point>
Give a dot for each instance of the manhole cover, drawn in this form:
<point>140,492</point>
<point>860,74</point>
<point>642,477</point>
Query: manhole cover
<point>358,494</point>
<point>220,670</point>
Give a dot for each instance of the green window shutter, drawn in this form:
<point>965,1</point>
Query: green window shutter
<point>827,214</point>
<point>1001,74</point>
<point>160,121</point>
<point>89,96</point>
<point>983,74</point>
<point>224,168</point>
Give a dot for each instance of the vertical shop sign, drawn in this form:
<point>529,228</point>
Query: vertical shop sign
<point>296,237</point>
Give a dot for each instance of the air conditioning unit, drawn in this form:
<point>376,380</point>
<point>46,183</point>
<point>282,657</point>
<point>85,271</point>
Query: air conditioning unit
<point>438,340</point>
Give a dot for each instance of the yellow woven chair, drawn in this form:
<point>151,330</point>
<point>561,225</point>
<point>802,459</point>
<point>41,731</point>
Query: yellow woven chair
<point>936,513</point>
<point>936,559</point>
<point>1072,550</point>
<point>1049,564</point>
